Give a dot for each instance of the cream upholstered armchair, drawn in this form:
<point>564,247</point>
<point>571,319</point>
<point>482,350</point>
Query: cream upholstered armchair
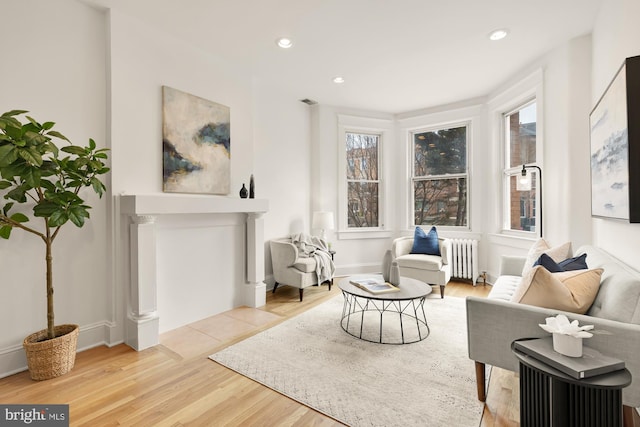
<point>431,269</point>
<point>301,262</point>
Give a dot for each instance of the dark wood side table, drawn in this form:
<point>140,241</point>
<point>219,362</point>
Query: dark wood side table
<point>550,398</point>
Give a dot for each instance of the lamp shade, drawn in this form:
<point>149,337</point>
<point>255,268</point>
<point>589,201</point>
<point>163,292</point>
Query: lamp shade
<point>523,182</point>
<point>322,220</point>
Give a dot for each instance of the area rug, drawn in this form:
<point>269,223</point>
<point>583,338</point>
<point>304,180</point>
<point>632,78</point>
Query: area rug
<point>311,359</point>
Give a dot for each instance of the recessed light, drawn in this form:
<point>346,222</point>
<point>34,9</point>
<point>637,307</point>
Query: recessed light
<point>284,42</point>
<point>498,34</point>
<point>338,80</point>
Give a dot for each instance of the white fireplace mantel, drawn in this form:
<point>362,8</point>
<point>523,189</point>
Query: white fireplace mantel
<point>142,209</point>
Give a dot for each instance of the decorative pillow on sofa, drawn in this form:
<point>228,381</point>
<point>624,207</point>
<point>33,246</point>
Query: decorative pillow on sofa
<point>557,253</point>
<point>572,291</point>
<point>425,243</point>
<point>575,263</point>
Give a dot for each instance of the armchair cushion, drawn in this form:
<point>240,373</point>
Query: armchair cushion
<point>306,265</point>
<point>419,261</point>
<point>425,243</point>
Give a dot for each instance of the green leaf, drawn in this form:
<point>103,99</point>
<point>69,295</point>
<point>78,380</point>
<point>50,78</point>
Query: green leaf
<point>74,149</point>
<point>6,122</point>
<point>58,135</point>
<point>18,194</point>
<point>46,209</point>
<point>47,185</point>
<point>77,214</point>
<point>48,125</point>
<point>92,144</point>
<point>7,208</point>
<point>19,217</point>
<point>5,184</point>
<point>98,186</point>
<point>5,231</point>
<point>32,177</point>
<point>57,219</point>
<point>14,113</point>
<point>51,148</point>
<point>101,156</point>
<point>8,155</point>
<point>31,155</point>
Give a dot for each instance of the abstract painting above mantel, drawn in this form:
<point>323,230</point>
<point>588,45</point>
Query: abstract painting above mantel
<point>196,144</point>
<point>615,146</point>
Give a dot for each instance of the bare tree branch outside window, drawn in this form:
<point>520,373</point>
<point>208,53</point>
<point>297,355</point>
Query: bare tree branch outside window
<point>362,179</point>
<point>440,177</point>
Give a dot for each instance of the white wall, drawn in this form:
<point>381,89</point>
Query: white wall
<point>197,283</point>
<point>282,163</point>
<point>54,66</point>
<point>616,36</point>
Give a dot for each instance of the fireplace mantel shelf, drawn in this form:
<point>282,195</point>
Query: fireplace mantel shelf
<point>158,204</point>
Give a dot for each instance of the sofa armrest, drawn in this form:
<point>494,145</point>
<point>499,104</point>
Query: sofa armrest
<point>283,254</point>
<point>401,246</point>
<point>445,250</point>
<point>492,325</point>
<point>511,265</point>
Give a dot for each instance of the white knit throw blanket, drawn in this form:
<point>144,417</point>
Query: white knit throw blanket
<point>313,246</point>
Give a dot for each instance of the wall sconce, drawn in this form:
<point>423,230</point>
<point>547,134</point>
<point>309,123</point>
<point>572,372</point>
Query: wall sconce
<point>322,221</point>
<point>523,183</point>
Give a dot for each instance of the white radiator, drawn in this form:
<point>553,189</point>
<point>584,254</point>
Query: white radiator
<point>464,259</point>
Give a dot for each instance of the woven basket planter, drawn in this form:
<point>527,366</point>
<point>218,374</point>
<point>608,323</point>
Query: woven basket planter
<point>51,358</point>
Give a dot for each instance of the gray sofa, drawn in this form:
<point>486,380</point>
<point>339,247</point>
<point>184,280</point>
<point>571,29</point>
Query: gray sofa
<point>493,323</point>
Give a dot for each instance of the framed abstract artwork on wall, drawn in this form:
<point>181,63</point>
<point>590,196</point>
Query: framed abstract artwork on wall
<point>615,147</point>
<point>196,144</point>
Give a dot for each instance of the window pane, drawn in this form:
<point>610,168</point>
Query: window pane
<point>440,202</point>
<point>363,204</point>
<point>362,156</point>
<point>440,152</point>
<point>521,131</point>
<point>523,205</point>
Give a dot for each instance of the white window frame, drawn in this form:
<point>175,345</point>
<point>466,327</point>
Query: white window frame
<point>524,92</point>
<point>466,124</point>
<point>371,126</point>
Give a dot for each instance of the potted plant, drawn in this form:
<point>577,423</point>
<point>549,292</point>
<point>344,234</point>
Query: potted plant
<point>35,173</point>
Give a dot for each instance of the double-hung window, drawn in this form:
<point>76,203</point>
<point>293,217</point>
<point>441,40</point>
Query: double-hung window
<point>521,205</point>
<point>440,176</point>
<point>363,181</point>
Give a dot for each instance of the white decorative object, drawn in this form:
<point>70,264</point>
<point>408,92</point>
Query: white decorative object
<point>567,336</point>
<point>394,273</point>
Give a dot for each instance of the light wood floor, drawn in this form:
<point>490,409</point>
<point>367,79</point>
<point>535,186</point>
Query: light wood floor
<point>175,384</point>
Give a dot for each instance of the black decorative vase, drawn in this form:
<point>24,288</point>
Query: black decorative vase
<point>252,188</point>
<point>243,192</point>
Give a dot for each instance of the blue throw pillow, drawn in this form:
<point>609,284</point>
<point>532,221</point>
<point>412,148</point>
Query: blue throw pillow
<point>575,263</point>
<point>425,243</point>
<point>569,264</point>
<point>547,262</point>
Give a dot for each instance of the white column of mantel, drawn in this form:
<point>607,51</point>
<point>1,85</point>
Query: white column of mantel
<point>255,292</point>
<point>142,316</point>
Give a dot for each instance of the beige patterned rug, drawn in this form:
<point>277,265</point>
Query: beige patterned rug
<point>312,360</point>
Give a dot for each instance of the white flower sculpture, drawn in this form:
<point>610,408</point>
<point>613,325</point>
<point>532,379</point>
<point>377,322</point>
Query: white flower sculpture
<point>561,325</point>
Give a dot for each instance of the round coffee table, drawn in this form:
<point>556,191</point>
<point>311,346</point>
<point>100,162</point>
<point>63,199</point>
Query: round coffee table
<point>370,317</point>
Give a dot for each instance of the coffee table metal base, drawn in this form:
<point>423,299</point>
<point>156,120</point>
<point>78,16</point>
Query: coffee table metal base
<point>410,310</point>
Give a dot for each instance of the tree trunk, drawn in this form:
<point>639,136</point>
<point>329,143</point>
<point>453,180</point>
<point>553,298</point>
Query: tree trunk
<point>50,318</point>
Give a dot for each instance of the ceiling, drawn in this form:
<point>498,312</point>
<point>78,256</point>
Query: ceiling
<point>395,55</point>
